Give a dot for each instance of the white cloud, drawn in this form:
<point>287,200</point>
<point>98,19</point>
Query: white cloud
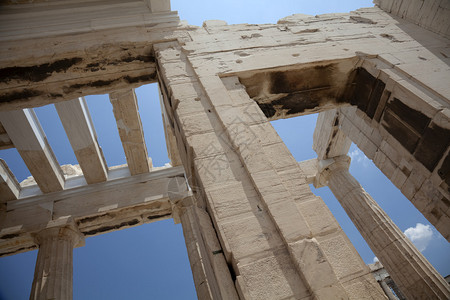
<point>421,235</point>
<point>359,157</point>
<point>375,259</point>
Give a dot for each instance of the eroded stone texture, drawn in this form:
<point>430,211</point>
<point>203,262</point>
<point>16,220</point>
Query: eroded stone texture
<point>256,224</point>
<point>211,274</point>
<point>255,189</point>
<point>414,275</point>
<point>301,65</point>
<point>53,274</point>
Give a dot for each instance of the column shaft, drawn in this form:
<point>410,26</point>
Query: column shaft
<point>53,273</point>
<point>210,271</point>
<point>415,276</point>
<point>387,290</point>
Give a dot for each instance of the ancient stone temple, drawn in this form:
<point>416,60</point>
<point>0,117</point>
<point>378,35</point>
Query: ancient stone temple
<point>378,77</point>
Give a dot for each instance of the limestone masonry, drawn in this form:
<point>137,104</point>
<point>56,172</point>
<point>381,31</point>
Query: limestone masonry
<point>378,77</point>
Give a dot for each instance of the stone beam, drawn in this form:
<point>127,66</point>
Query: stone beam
<point>126,112</point>
<point>9,187</point>
<point>108,49</point>
<point>96,209</point>
<point>61,80</point>
<point>158,5</point>
<point>308,89</point>
<point>309,168</point>
<point>22,21</point>
<point>432,15</point>
<point>169,133</point>
<point>5,141</point>
<point>29,139</point>
<point>403,126</point>
<point>262,209</point>
<point>77,122</point>
<point>328,140</point>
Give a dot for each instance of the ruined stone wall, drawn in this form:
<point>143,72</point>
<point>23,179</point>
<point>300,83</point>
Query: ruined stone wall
<point>256,230</point>
<point>430,14</point>
<point>221,89</point>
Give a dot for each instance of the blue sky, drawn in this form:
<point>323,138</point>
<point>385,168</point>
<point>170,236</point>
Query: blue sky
<point>148,261</point>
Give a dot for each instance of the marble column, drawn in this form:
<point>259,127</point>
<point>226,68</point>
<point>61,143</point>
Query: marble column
<point>53,273</point>
<point>387,290</point>
<point>210,271</point>
<point>414,275</point>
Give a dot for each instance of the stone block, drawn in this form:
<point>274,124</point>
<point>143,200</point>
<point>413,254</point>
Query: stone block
<point>353,133</point>
<point>236,90</point>
<point>443,226</point>
<point>342,257</point>
<point>415,98</point>
<point>219,169</point>
<point>376,137</point>
<point>252,114</point>
<point>178,72</point>
<point>198,123</point>
<point>348,111</point>
<point>265,133</point>
<point>299,189</point>
<point>233,200</point>
<point>280,279</point>
<point>390,151</point>
<point>385,164</point>
<point>277,197</point>
<point>250,236</point>
<point>346,125</point>
<point>279,156</point>
<point>171,53</point>
<point>368,147</point>
<point>229,115</point>
<point>255,160</point>
<point>214,23</point>
<point>408,188</point>
<point>436,179</point>
<point>188,98</point>
<point>379,158</point>
<point>364,288</point>
<point>216,91</point>
<point>396,146</point>
<point>208,144</point>
<point>442,118</point>
<point>309,169</point>
<point>289,220</point>
<point>37,215</point>
<point>316,269</point>
<point>317,215</point>
<point>398,178</point>
<point>267,182</point>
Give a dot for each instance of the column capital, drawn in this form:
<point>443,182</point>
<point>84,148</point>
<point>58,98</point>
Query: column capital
<point>326,167</point>
<point>63,229</point>
<point>179,207</point>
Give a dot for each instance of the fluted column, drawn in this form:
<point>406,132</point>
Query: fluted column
<point>414,275</point>
<point>210,271</point>
<point>53,273</point>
